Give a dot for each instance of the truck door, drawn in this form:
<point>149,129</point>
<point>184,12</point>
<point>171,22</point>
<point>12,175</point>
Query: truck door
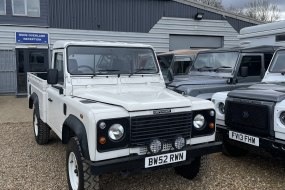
<point>55,100</point>
<point>255,67</point>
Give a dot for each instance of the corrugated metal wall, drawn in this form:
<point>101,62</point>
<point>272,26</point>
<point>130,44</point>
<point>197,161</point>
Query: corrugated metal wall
<point>158,36</point>
<point>182,26</point>
<point>7,71</point>
<point>159,41</point>
<point>9,19</point>
<point>122,15</point>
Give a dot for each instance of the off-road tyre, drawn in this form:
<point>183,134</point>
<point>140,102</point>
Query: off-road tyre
<point>232,150</point>
<point>86,179</point>
<point>43,131</point>
<point>195,169</point>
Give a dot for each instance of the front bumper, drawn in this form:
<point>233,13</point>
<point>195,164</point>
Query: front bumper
<point>135,163</point>
<point>266,143</point>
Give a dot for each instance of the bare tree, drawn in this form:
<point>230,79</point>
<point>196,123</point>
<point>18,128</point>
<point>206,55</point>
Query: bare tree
<point>213,3</point>
<point>262,10</point>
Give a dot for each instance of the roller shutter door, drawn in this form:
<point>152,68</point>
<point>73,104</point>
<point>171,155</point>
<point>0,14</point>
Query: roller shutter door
<point>195,42</point>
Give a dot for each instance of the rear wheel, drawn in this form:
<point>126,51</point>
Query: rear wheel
<point>41,130</point>
<point>197,168</point>
<point>232,150</point>
<point>78,170</point>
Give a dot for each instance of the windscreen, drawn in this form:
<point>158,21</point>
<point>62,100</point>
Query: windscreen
<point>222,62</point>
<point>92,60</point>
<point>278,64</point>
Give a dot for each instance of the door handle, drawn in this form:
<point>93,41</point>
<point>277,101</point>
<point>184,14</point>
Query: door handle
<point>50,100</point>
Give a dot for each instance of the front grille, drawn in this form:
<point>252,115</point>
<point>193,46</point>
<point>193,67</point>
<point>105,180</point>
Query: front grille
<point>165,127</point>
<point>248,117</point>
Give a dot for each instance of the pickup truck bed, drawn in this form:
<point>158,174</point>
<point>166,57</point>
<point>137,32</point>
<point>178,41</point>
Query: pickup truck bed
<point>37,83</point>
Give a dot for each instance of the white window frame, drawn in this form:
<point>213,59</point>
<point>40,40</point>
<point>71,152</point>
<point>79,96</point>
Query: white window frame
<point>26,9</point>
<point>4,8</point>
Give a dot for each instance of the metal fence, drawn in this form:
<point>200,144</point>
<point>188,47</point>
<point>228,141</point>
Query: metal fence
<point>8,69</point>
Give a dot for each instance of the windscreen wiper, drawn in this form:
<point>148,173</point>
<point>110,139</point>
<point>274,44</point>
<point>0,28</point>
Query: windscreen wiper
<point>104,70</point>
<point>139,70</point>
<point>107,70</point>
<point>222,67</point>
<point>206,67</point>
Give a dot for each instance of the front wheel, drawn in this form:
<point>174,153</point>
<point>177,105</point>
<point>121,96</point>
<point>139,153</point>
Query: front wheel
<point>79,175</point>
<point>196,168</point>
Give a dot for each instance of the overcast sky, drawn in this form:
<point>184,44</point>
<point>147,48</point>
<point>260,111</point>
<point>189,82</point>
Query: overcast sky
<point>240,3</point>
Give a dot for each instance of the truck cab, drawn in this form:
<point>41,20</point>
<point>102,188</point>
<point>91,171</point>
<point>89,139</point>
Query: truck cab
<point>254,117</point>
<point>178,61</point>
<point>224,70</point>
<point>108,102</point>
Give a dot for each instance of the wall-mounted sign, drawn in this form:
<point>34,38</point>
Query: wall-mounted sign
<point>31,38</point>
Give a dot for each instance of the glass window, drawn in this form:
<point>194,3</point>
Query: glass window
<point>33,8</point>
<point>19,7</point>
<point>280,38</point>
<point>26,8</point>
<point>181,67</point>
<point>278,64</point>
<point>58,64</point>
<point>107,60</point>
<point>2,7</point>
<point>37,61</point>
<point>216,61</point>
<point>253,63</point>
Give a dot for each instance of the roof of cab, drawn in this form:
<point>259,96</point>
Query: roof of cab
<point>263,28</point>
<point>182,52</point>
<point>63,44</point>
<point>257,49</point>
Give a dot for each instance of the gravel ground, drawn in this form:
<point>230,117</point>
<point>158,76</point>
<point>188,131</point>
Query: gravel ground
<point>14,109</point>
<point>26,165</point>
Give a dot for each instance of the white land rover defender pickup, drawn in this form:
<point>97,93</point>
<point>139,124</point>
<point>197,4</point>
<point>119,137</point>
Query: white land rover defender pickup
<point>254,117</point>
<point>109,103</point>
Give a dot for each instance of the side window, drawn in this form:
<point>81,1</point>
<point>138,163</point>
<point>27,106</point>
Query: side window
<point>181,67</point>
<point>58,64</point>
<point>2,7</point>
<point>267,60</point>
<point>253,63</point>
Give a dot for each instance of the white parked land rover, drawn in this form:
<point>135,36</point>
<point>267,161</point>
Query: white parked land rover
<point>254,117</point>
<point>109,103</point>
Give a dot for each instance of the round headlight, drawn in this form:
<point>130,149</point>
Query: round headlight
<point>222,108</point>
<point>116,132</point>
<point>179,143</point>
<point>155,146</point>
<point>282,118</point>
<point>199,121</point>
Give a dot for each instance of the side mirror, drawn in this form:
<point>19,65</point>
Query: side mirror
<point>52,76</point>
<point>244,71</point>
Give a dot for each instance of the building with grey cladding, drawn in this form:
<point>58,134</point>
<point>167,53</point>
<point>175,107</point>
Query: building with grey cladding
<point>28,29</point>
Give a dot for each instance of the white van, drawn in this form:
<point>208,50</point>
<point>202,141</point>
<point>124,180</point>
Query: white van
<point>264,34</point>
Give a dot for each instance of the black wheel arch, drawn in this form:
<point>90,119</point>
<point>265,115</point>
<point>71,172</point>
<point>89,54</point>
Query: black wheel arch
<point>34,103</point>
<point>72,126</point>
